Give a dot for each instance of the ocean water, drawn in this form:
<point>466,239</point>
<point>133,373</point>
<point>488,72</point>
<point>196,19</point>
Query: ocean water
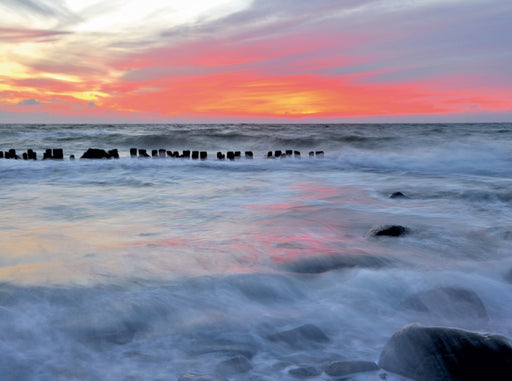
<point>148,269</point>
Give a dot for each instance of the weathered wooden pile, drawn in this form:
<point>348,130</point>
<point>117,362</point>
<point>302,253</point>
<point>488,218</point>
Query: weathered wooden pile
<point>96,153</point>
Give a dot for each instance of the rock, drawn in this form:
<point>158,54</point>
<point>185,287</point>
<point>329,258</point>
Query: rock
<point>508,276</point>
<point>133,152</point>
<point>345,367</point>
<point>305,336</point>
<point>95,153</point>
<point>305,372</point>
<point>447,303</point>
<point>397,195</point>
<point>200,377</point>
<point>437,353</point>
<point>114,153</point>
<point>325,263</point>
<point>388,230</point>
<point>234,365</point>
<point>143,153</point>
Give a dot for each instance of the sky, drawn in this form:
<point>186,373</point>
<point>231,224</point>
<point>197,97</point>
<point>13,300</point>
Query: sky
<point>255,60</point>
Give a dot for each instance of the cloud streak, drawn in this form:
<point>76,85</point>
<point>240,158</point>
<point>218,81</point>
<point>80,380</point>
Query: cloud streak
<point>273,59</point>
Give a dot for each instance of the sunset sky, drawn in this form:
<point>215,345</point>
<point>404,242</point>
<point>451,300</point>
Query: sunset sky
<point>250,61</point>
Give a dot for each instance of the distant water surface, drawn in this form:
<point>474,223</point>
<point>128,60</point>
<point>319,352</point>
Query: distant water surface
<point>152,268</point>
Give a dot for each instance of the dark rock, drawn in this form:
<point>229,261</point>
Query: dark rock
<point>228,349</point>
<point>203,155</point>
<point>47,154</point>
<point>95,153</point>
<point>230,155</point>
<point>249,155</point>
<point>278,153</point>
<point>195,155</point>
<point>1,154</point>
<point>143,153</point>
<point>305,336</point>
<point>508,276</point>
<point>71,157</point>
<point>269,155</point>
<point>25,156</point>
<point>345,367</point>
<point>289,152</point>
<point>133,152</point>
<point>437,353</point>
<point>305,372</point>
<point>220,156</point>
<point>397,195</point>
<point>162,153</point>
<point>234,365</point>
<point>154,153</point>
<point>238,154</point>
<point>200,377</point>
<point>448,303</point>
<point>186,154</point>
<point>388,230</point>
<point>311,154</point>
<point>319,154</point>
<point>296,154</point>
<point>325,263</point>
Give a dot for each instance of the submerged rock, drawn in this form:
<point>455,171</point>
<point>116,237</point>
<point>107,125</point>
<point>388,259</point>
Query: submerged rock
<point>388,230</point>
<point>346,367</point>
<point>200,377</point>
<point>437,353</point>
<point>325,263</point>
<point>448,303</point>
<point>305,336</point>
<point>304,372</point>
<point>397,195</point>
<point>234,365</point>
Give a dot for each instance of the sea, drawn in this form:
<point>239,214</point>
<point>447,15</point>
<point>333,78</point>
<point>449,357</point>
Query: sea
<point>261,268</point>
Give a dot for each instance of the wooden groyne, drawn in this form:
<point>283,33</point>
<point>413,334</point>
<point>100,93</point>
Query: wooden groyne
<point>97,153</point>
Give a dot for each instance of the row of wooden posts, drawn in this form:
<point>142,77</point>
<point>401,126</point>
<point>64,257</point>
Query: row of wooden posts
<point>95,153</point>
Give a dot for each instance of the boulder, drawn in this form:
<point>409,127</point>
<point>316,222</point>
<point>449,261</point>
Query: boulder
<point>234,365</point>
<point>388,230</point>
<point>438,353</point>
<point>346,367</point>
<point>305,336</point>
<point>325,263</point>
<point>305,372</point>
<point>200,377</point>
<point>397,195</point>
<point>447,303</point>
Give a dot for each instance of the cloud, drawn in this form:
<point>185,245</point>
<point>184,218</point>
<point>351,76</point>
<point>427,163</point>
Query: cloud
<point>16,35</point>
<point>29,102</point>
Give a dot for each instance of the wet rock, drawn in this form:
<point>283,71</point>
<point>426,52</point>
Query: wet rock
<point>305,372</point>
<point>200,377</point>
<point>388,230</point>
<point>325,263</point>
<point>508,276</point>
<point>305,336</point>
<point>437,353</point>
<point>234,365</point>
<point>448,303</point>
<point>95,153</point>
<point>249,155</point>
<point>114,153</point>
<point>229,349</point>
<point>346,367</point>
<point>133,152</point>
<point>397,195</point>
